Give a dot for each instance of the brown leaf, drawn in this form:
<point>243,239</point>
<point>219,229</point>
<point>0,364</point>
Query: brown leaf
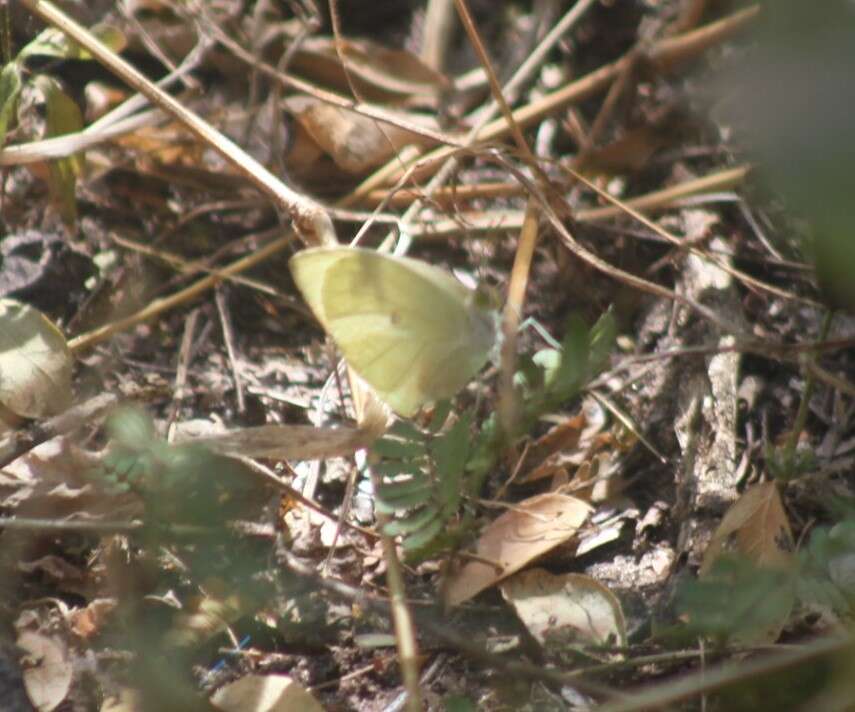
<point>87,622</point>
<point>54,480</point>
<point>204,618</point>
<point>563,437</point>
<point>756,527</point>
<point>54,567</point>
<point>631,152</point>
<point>356,143</point>
<point>168,145</point>
<point>528,530</point>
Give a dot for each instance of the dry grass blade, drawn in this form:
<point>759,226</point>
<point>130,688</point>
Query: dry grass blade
<point>309,217</point>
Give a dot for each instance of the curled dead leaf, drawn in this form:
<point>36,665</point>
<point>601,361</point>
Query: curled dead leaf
<point>356,143</point>
<point>87,622</point>
<point>540,461</point>
<point>125,700</point>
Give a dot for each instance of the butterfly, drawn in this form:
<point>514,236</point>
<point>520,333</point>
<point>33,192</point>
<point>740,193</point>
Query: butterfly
<point>409,329</point>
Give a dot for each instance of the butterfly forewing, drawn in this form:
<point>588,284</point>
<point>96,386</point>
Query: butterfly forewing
<point>409,329</point>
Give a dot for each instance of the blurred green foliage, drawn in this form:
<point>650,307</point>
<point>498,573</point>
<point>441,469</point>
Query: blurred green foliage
<point>738,600</point>
<point>190,498</point>
<point>791,100</point>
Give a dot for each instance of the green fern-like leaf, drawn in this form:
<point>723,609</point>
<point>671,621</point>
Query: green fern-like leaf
<point>422,478</point>
<point>413,522</point>
<point>425,475</point>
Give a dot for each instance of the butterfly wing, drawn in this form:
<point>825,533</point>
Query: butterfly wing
<point>409,329</point>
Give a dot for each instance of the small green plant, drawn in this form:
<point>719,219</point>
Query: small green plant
<point>63,116</point>
<point>827,571</point>
<point>183,484</point>
<point>186,500</point>
<point>738,601</point>
<point>426,476</point>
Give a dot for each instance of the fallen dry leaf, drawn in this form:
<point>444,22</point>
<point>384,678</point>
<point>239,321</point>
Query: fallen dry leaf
<point>55,480</point>
<point>46,668</point>
<point>169,145</point>
<point>204,618</point>
<point>265,693</point>
<point>356,143</point>
<point>539,462</point>
<point>561,611</point>
<point>87,622</point>
<point>528,530</point>
<point>756,527</point>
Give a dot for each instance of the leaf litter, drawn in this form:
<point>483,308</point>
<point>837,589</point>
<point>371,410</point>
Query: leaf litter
<point>620,527</point>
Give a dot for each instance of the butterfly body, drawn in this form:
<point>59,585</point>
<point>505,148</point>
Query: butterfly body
<point>410,330</point>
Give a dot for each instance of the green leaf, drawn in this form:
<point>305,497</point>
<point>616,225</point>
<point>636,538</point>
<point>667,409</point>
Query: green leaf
<point>842,536</point>
<point>564,371</point>
<point>10,90</point>
<point>602,340</point>
<point>395,468</point>
<point>48,43</point>
<point>451,450</point>
<point>422,537</point>
<point>574,360</point>
<point>813,592</point>
<point>443,541</point>
<point>403,488</point>
<point>458,703</point>
<point>54,43</point>
<point>111,36</point>
<point>450,454</point>
<point>405,430</point>
<point>35,363</point>
<point>441,411</point>
<point>63,116</point>
<point>529,375</point>
<point>413,523</point>
<point>132,428</point>
<point>122,466</point>
<point>399,449</point>
<point>548,361</point>
<point>739,601</point>
<point>404,496</point>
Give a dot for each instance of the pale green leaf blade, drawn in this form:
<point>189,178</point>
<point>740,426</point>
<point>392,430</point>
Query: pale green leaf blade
<point>10,90</point>
<point>35,362</point>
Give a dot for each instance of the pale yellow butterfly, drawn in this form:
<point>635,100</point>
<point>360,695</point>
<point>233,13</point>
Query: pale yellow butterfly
<point>409,329</point>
